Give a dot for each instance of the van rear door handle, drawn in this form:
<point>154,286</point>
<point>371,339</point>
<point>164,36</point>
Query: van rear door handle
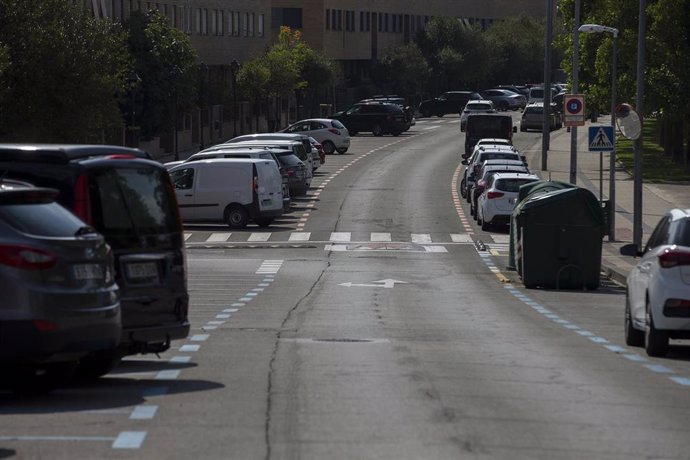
<point>189,195</point>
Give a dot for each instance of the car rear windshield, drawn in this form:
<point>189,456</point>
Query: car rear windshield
<point>511,185</point>
<point>336,124</point>
<point>499,156</point>
<point>534,110</point>
<point>47,219</point>
<point>132,201</point>
<point>683,237</point>
<point>288,159</point>
<point>478,107</point>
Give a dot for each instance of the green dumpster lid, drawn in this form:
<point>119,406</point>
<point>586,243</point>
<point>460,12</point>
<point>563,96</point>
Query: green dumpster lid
<point>541,187</point>
<point>565,199</point>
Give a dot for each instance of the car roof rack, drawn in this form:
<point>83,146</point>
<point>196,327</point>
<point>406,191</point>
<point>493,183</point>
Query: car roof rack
<point>63,153</point>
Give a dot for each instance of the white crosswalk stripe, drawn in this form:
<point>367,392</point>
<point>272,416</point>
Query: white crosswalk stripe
<point>460,238</point>
<point>421,238</point>
<point>299,236</point>
<point>259,236</point>
<point>341,237</point>
<point>380,237</point>
<point>218,237</point>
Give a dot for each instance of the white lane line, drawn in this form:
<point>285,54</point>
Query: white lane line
<point>199,337</point>
<point>421,238</point>
<point>129,440</point>
<point>223,316</point>
<point>380,237</point>
<point>505,239</point>
<point>143,412</point>
<point>435,248</point>
<point>187,235</point>
<point>215,323</point>
<point>216,237</point>
<point>230,310</point>
<point>259,237</point>
<point>180,359</point>
<point>658,368</point>
<point>681,380</point>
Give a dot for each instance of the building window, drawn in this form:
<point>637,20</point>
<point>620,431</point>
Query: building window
<point>214,19</point>
<point>198,21</point>
<point>221,22</point>
<point>368,27</point>
<point>260,25</point>
<point>236,23</point>
<point>251,24</point>
<point>328,19</point>
<point>380,21</point>
<point>291,17</point>
<point>204,21</point>
<point>400,23</point>
<point>231,29</point>
<point>245,24</point>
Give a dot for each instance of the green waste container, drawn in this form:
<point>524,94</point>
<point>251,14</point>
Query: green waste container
<point>560,239</point>
<point>528,190</point>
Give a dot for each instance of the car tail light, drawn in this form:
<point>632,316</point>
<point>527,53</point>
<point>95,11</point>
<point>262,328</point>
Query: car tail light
<point>677,303</point>
<point>171,190</point>
<point>674,257</point>
<point>334,131</point>
<point>26,257</point>
<point>290,172</point>
<point>481,183</point>
<point>82,206</point>
<point>44,326</point>
<point>255,184</point>
<point>121,156</point>
<point>491,195</point>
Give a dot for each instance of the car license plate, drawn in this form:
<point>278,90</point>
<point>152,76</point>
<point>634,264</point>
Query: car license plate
<point>88,271</point>
<point>142,270</point>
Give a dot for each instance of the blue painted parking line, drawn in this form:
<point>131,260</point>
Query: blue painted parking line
<point>143,412</point>
<point>634,357</point>
<point>681,381</point>
<point>154,391</point>
<point>658,368</point>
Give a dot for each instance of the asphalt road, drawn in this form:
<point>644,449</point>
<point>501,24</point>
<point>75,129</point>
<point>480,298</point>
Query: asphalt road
<point>369,324</point>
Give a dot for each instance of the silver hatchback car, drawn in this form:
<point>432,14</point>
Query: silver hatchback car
<point>60,300</point>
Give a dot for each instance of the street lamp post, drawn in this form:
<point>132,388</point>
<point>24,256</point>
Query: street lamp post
<point>592,29</point>
<point>133,81</point>
<point>234,68</point>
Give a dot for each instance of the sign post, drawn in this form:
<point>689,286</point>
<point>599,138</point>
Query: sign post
<point>601,140</point>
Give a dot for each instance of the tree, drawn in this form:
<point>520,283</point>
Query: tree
<point>165,61</point>
<point>402,70</point>
<point>516,50</point>
<point>252,80</point>
<point>63,72</point>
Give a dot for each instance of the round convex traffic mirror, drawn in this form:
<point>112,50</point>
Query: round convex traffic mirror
<point>628,121</point>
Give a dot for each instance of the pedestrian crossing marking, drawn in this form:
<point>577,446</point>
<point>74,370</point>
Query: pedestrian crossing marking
<point>300,236</point>
<point>501,238</point>
<point>421,238</point>
<point>343,237</point>
<point>259,236</point>
<point>380,237</point>
<point>219,237</point>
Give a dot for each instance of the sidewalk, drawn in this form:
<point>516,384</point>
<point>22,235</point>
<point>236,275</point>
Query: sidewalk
<point>656,198</point>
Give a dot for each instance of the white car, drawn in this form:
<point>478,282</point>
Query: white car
<point>332,134</point>
<point>496,203</point>
<point>475,106</point>
<point>486,152</point>
<point>657,305</point>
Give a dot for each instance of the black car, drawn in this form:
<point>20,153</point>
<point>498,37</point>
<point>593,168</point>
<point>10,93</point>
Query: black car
<point>394,99</point>
<point>378,118</point>
<point>130,200</point>
<point>449,102</point>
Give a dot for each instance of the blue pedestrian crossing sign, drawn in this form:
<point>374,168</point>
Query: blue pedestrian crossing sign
<point>601,138</point>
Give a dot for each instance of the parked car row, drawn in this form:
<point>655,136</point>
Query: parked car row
<point>85,287</point>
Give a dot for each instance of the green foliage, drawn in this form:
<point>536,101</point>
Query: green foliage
<point>61,72</point>
<point>165,61</point>
<point>516,50</point>
<point>402,69</point>
<point>253,78</point>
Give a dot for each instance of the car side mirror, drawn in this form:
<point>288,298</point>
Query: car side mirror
<point>630,250</point>
<point>464,162</point>
<point>514,129</point>
<point>523,158</point>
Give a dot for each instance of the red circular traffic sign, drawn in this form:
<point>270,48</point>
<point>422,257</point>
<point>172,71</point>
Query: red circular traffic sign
<point>574,106</point>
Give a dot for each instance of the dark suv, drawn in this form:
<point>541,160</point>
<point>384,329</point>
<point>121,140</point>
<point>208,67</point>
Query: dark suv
<point>378,118</point>
<point>130,200</point>
<point>449,102</point>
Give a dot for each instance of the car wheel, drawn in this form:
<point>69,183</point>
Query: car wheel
<point>463,191</point>
<point>342,150</point>
<point>396,133</point>
<point>98,364</point>
<point>440,114</point>
<point>236,217</point>
<point>485,225</point>
<point>377,130</point>
<point>352,133</point>
<point>633,337</point>
<point>328,147</point>
<point>40,379</point>
<point>655,341</point>
<point>522,129</point>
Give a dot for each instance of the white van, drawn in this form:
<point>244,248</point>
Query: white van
<point>230,190</point>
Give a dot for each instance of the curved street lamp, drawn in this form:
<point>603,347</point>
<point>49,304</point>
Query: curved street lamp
<point>594,29</point>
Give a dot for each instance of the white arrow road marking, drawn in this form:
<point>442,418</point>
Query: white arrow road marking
<point>388,284</point>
